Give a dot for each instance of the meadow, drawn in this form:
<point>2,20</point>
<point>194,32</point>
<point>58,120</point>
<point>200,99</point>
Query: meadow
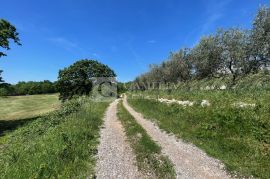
<point>22,107</point>
<point>238,136</point>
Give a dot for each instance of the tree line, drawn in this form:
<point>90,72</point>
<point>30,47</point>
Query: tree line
<point>232,52</point>
<point>28,88</point>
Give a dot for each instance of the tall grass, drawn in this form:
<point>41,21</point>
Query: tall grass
<point>240,137</point>
<point>60,145</point>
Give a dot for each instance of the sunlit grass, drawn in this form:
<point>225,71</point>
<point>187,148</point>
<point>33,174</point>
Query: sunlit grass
<point>20,107</point>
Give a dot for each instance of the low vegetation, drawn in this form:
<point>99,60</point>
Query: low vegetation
<point>148,154</point>
<point>59,145</point>
<point>237,136</point>
<point>22,107</point>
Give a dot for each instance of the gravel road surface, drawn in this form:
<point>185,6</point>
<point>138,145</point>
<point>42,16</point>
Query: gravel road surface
<point>115,157</point>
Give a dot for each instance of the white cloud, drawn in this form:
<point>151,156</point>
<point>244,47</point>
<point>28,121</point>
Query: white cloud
<point>63,42</point>
<point>68,45</point>
<point>96,55</point>
<point>212,19</point>
<point>151,41</point>
<point>215,11</point>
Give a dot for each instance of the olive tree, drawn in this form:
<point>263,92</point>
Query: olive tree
<point>178,67</point>
<point>260,39</point>
<point>206,57</point>
<point>234,44</point>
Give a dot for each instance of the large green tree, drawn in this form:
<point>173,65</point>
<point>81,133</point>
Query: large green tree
<point>7,32</point>
<point>77,79</point>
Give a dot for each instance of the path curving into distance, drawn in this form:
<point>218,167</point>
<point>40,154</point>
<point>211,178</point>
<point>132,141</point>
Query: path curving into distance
<point>189,161</point>
<point>115,157</point>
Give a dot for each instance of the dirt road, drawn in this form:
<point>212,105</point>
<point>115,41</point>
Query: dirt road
<point>190,161</point>
<point>115,157</point>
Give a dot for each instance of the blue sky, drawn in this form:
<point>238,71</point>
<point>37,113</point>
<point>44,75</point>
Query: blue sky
<point>126,35</point>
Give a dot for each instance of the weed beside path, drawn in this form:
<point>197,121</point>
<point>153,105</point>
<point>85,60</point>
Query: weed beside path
<point>148,154</point>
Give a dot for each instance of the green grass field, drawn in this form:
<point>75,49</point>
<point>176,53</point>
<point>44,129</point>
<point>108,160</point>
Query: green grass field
<point>240,137</point>
<point>22,107</point>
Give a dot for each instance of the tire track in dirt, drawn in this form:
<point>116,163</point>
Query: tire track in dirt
<point>115,157</point>
<point>189,160</point>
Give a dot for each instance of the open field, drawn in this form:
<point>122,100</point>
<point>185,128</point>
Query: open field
<point>22,107</point>
<point>238,136</point>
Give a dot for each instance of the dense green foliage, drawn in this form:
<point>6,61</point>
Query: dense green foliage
<point>78,78</point>
<point>230,53</point>
<point>148,154</point>
<point>7,32</point>
<point>60,145</point>
<point>121,88</point>
<point>240,137</point>
<point>28,88</point>
<point>23,107</point>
